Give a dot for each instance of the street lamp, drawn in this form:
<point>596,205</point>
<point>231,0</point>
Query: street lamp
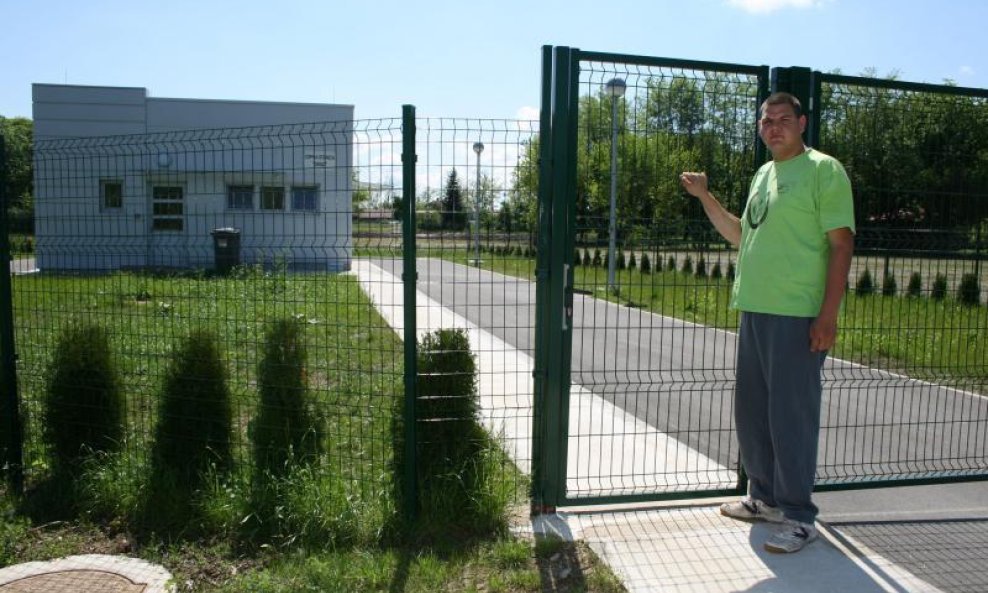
<point>478,147</point>
<point>615,88</point>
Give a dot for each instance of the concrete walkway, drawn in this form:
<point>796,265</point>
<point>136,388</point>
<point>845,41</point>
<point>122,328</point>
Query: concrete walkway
<point>670,548</point>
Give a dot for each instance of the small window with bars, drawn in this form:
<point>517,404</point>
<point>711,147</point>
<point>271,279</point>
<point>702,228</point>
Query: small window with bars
<point>111,194</point>
<point>305,198</point>
<point>272,198</point>
<point>240,197</point>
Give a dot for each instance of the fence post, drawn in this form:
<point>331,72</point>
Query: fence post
<point>800,82</point>
<point>409,276</point>
<point>539,415</point>
<point>554,294</point>
<point>9,403</point>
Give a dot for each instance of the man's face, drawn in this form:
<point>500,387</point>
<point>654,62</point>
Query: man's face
<point>781,130</point>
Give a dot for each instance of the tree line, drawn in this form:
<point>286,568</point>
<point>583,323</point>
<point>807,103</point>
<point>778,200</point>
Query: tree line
<point>918,159</point>
<point>18,135</point>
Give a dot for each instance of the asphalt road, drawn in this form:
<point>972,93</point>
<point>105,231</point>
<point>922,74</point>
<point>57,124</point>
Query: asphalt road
<point>678,377</point>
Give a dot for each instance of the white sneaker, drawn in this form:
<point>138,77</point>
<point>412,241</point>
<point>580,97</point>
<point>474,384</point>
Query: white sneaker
<point>751,509</point>
<point>793,537</point>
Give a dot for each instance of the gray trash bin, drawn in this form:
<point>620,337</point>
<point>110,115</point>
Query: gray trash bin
<point>226,243</point>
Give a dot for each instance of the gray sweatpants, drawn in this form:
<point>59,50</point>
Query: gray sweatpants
<point>777,411</point>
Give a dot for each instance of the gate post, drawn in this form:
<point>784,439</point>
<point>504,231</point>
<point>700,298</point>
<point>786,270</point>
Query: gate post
<point>409,276</point>
<point>540,486</point>
<point>805,86</point>
<point>554,297</point>
<point>9,402</point>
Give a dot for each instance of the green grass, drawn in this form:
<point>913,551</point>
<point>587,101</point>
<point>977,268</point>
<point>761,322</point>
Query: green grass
<point>504,565</point>
<point>354,370</point>
<point>925,338</point>
<point>327,526</point>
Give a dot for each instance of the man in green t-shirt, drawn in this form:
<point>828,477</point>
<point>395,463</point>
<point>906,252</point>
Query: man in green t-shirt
<point>795,239</point>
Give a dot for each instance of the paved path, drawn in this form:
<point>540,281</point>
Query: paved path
<point>676,378</point>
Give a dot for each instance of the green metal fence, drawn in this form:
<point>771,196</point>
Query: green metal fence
<point>367,234</point>
<point>475,248</point>
<point>906,389</point>
<point>647,391</point>
<point>639,279</point>
<point>231,232</point>
<point>603,339</point>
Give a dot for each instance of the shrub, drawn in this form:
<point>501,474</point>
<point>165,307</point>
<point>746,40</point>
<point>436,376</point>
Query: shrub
<point>731,271</point>
<point>452,447</point>
<point>646,264</point>
<point>671,264</point>
<point>865,285</point>
<point>620,262</point>
<point>288,428</point>
<point>889,286</point>
<point>447,390</point>
<point>716,273</point>
<point>587,260</point>
<point>84,408</point>
<point>195,417</point>
<point>687,265</point>
<point>969,290</point>
<point>939,290</point>
<point>632,262</point>
<point>701,267</point>
<point>447,402</point>
<point>915,286</point>
<point>596,258</point>
<point>658,263</point>
<point>577,258</point>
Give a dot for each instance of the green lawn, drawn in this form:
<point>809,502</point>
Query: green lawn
<point>336,525</point>
<point>354,373</point>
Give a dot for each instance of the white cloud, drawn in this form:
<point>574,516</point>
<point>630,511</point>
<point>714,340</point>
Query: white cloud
<point>766,6</point>
<point>527,112</point>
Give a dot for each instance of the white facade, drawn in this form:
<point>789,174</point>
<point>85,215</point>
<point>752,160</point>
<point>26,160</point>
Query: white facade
<point>127,180</point>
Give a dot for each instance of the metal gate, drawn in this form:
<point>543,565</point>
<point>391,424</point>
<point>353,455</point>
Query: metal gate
<point>634,367</point>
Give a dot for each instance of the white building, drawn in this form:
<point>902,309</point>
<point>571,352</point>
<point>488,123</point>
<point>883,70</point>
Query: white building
<point>127,180</point>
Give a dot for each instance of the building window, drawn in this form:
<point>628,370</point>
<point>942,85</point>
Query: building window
<point>305,198</point>
<point>272,198</point>
<point>240,197</point>
<point>111,194</point>
<point>168,209</point>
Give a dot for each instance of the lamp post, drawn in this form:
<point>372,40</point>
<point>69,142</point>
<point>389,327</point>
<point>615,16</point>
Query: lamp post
<point>478,147</point>
<point>615,88</point>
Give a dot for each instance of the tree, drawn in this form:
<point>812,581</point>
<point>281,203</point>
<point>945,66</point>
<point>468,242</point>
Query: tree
<point>18,145</point>
<point>488,192</point>
<point>916,158</point>
<point>454,215</point>
<point>360,196</point>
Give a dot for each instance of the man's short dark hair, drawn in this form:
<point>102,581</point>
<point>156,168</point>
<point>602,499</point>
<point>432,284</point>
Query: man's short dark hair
<point>781,98</point>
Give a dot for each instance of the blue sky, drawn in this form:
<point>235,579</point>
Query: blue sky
<point>457,59</point>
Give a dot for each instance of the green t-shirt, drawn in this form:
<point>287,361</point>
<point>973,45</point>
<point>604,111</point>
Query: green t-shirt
<point>782,259</point>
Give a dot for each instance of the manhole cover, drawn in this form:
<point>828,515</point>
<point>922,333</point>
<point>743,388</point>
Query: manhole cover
<point>91,573</point>
<point>91,581</point>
